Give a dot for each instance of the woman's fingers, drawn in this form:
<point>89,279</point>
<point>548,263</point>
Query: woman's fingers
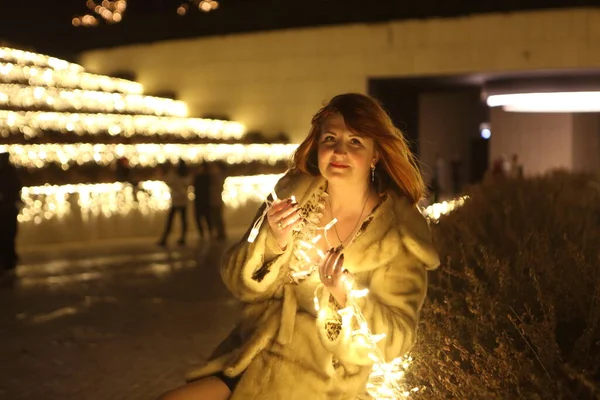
<point>283,216</point>
<point>338,269</point>
<point>324,265</point>
<point>329,270</point>
<point>290,218</point>
<point>276,207</point>
<point>288,224</point>
<point>281,210</point>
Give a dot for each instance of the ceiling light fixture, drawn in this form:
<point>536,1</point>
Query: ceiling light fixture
<point>551,102</point>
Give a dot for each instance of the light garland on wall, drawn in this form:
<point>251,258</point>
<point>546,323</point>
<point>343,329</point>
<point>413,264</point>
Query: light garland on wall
<point>22,57</point>
<point>34,123</point>
<point>78,100</point>
<point>110,11</point>
<point>239,190</point>
<point>144,155</point>
<point>66,78</point>
<point>43,203</point>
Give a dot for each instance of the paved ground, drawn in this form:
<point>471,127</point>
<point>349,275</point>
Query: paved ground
<point>119,321</point>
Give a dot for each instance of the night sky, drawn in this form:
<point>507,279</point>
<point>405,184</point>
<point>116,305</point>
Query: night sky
<point>45,26</point>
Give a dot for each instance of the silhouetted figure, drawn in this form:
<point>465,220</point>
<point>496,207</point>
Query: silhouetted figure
<point>500,168</point>
<point>178,181</point>
<point>215,189</point>
<point>202,200</point>
<point>10,196</point>
<point>516,168</point>
<point>123,172</point>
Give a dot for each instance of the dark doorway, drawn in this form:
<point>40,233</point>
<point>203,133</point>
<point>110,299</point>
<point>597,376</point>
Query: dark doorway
<point>402,104</point>
<point>480,153</point>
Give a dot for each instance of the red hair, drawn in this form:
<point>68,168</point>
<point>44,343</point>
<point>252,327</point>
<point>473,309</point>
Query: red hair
<point>396,169</point>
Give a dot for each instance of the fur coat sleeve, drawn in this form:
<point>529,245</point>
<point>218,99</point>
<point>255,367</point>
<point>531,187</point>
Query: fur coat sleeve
<point>253,271</point>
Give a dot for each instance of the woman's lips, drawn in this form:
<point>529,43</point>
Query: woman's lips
<point>336,165</point>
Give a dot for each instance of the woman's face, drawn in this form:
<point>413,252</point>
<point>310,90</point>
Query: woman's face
<point>344,155</point>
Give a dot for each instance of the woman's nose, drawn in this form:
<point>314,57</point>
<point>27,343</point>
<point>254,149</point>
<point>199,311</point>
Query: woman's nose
<point>340,147</point>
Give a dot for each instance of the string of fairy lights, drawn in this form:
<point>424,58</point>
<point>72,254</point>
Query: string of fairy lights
<point>34,123</point>
<point>77,100</point>
<point>22,57</point>
<point>64,78</point>
<point>143,155</point>
<point>386,380</point>
<point>44,203</point>
<point>31,80</point>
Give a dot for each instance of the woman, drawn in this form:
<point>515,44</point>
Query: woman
<point>354,167</point>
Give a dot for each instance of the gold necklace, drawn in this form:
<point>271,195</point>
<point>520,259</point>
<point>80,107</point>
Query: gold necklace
<point>357,222</point>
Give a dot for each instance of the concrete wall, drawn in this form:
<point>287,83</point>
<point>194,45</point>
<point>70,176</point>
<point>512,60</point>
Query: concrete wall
<point>586,142</point>
<point>543,141</point>
<point>546,141</point>
<point>275,81</point>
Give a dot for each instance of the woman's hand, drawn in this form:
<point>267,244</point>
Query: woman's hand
<point>331,272</point>
<point>283,217</point>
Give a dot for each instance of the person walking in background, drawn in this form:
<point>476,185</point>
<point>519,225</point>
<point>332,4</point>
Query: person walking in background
<point>178,181</point>
<point>10,196</point>
<point>500,168</point>
<point>516,168</point>
<point>202,200</point>
<point>215,189</point>
<point>122,170</point>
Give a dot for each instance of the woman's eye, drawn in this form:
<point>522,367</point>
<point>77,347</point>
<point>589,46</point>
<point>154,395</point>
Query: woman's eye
<point>328,138</point>
<point>355,141</point>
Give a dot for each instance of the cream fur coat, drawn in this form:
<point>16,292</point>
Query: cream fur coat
<point>285,352</point>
